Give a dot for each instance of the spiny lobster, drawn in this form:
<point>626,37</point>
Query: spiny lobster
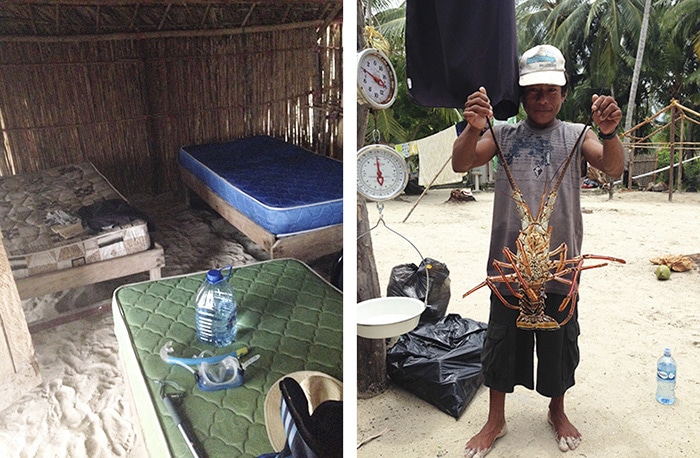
<point>533,265</point>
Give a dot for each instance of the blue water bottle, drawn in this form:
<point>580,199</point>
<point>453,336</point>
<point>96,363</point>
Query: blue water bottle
<point>666,378</point>
<point>215,313</point>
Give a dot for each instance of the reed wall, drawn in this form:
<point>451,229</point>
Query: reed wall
<point>129,105</point>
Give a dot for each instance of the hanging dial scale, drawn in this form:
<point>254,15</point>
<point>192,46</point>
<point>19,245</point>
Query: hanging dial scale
<point>376,79</point>
<point>382,173</point>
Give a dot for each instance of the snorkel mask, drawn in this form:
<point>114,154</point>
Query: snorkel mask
<point>213,372</point>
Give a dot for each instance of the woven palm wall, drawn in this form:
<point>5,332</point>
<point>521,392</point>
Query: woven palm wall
<point>129,104</point>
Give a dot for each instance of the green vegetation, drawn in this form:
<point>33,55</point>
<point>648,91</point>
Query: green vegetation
<point>599,39</point>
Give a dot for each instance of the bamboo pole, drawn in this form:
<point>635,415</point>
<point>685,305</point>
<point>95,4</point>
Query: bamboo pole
<point>672,156</point>
<point>426,188</point>
<point>677,104</point>
<point>681,152</point>
<point>158,34</point>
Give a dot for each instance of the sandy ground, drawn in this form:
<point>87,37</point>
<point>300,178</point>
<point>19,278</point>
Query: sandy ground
<point>627,317</point>
<point>82,407</point>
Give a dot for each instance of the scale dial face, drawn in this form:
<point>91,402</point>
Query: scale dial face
<point>382,173</point>
<point>376,79</point>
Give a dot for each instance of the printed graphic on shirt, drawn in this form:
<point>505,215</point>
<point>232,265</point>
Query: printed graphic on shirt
<point>532,148</point>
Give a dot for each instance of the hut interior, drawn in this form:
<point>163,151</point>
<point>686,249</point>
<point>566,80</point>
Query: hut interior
<point>125,84</point>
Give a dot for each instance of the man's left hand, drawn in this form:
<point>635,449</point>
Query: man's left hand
<point>606,114</point>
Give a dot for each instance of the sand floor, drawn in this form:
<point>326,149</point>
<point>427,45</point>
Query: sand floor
<point>627,317</point>
<point>82,407</point>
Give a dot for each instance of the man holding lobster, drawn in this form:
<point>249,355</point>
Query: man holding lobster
<point>543,155</point>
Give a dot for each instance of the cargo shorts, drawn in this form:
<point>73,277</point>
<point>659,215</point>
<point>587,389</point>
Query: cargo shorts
<point>508,354</point>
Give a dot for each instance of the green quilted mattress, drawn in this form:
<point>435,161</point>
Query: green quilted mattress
<point>287,314</point>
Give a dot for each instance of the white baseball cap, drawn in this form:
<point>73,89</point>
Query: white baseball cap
<point>542,64</point>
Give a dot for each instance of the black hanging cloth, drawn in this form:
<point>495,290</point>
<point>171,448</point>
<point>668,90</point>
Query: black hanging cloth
<point>455,46</point>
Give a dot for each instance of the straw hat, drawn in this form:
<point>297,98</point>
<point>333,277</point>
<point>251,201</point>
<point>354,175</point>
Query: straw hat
<point>317,386</point>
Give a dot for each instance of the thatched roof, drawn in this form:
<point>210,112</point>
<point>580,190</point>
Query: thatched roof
<point>64,20</point>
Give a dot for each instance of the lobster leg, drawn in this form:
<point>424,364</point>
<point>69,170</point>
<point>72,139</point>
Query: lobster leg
<point>515,275</point>
<point>498,294</point>
<point>573,291</point>
<point>491,283</point>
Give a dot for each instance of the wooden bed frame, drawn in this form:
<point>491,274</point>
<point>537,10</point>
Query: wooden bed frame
<point>305,246</point>
<point>150,260</point>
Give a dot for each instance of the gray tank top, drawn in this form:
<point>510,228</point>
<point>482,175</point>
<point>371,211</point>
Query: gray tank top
<point>534,157</point>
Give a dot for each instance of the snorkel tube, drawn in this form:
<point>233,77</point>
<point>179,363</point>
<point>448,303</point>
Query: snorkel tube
<point>215,372</point>
<point>168,348</point>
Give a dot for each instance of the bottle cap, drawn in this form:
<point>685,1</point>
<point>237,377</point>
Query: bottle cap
<point>214,276</point>
<point>667,351</point>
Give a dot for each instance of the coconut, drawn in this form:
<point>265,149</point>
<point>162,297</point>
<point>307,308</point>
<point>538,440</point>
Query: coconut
<point>663,272</point>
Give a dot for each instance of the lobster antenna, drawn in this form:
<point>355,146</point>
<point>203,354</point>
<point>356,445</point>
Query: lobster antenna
<point>561,170</point>
<point>565,164</point>
<point>501,157</point>
<point>562,167</point>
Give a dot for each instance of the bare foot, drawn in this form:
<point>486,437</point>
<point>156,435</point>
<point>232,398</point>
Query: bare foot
<point>480,445</point>
<point>568,437</point>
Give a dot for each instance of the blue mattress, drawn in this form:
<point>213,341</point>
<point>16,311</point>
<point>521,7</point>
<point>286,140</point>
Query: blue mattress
<point>284,188</point>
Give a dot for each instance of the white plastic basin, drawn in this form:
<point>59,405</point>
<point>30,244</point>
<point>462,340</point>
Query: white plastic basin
<point>386,317</point>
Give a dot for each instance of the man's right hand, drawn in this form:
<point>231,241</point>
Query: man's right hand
<point>477,109</point>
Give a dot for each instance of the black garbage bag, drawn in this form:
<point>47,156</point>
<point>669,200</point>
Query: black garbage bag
<point>410,280</point>
<point>440,362</point>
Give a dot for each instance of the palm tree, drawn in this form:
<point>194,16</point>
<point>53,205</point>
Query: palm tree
<point>601,39</point>
<point>683,18</point>
<point>631,105</point>
<point>594,35</point>
<point>681,21</point>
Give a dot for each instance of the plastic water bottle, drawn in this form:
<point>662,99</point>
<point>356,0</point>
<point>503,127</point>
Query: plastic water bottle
<point>666,378</point>
<point>215,313</point>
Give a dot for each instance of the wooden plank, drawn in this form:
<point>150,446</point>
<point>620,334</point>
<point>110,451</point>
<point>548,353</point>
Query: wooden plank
<point>63,318</point>
<point>310,245</point>
<point>161,34</point>
<point>19,370</point>
<point>38,285</point>
<point>305,246</point>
